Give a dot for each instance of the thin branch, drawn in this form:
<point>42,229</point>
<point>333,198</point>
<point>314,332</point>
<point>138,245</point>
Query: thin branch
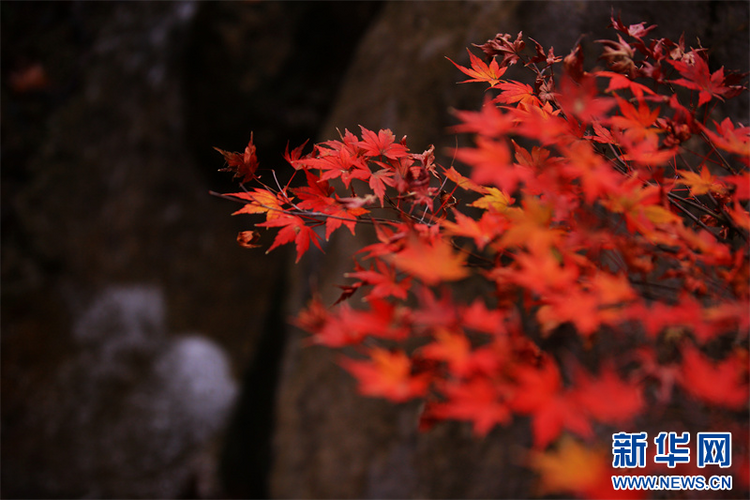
<point>305,213</point>
<point>724,162</point>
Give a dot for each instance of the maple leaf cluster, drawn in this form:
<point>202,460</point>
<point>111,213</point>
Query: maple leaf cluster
<point>601,202</point>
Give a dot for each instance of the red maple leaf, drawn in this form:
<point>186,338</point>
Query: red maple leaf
<point>543,123</point>
<point>379,180</point>
<point>721,383</point>
<point>383,279</point>
<point>293,228</point>
<point>635,30</point>
<point>637,124</point>
<point>619,81</point>
<point>549,58</point>
<point>696,76</point>
<point>540,393</point>
<point>340,159</point>
<point>316,196</point>
<point>244,164</point>
<point>382,144</point>
<point>350,326</point>
<point>597,177</point>
<point>434,312</point>
<point>483,231</point>
<point>578,307</point>
<point>492,164</point>
<point>607,398</point>
<point>478,317</point>
<point>480,71</point>
<point>513,92</point>
<point>489,121</point>
<point>582,101</point>
<point>295,158</point>
<point>501,45</point>
<point>646,151</point>
<point>664,375</point>
<point>477,400</point>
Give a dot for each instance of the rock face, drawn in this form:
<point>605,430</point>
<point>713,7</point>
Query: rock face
<point>112,245</point>
<point>132,411</point>
<point>99,400</point>
<point>110,113</point>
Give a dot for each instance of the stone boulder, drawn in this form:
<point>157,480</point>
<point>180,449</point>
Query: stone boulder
<point>132,412</point>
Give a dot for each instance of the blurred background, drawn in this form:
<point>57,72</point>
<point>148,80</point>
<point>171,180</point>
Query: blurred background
<point>144,353</point>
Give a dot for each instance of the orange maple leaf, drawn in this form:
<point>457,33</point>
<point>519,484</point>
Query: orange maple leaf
<point>495,200</point>
<point>431,262</point>
<point>702,183</point>
<point>261,201</point>
<point>452,347</point>
<point>248,239</point>
<point>463,182</point>
<point>387,375</point>
<point>543,273</point>
<point>579,307</point>
<point>572,468</point>
<point>612,288</point>
<point>530,226</point>
<point>642,209</point>
<point>730,138</point>
<point>483,231</point>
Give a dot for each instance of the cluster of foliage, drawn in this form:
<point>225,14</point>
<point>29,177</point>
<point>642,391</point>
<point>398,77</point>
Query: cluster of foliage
<point>607,204</point>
